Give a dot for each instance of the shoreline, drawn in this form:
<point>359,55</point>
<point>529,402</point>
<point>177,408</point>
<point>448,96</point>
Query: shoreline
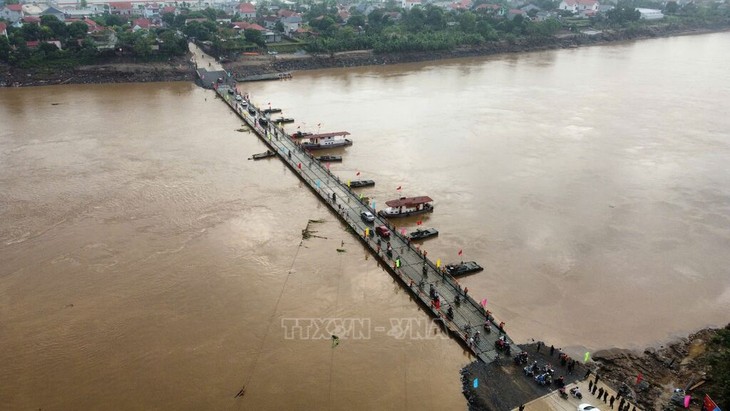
<point>181,68</point>
<point>362,58</point>
<point>681,363</point>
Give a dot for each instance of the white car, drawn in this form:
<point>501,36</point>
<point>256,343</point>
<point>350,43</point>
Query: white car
<point>587,407</point>
<point>367,216</point>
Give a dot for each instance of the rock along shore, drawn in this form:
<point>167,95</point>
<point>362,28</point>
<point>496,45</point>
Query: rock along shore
<point>114,71</point>
<point>679,364</point>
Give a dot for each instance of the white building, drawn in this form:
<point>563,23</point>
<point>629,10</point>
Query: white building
<point>579,6</point>
<point>650,14</point>
<point>409,4</point>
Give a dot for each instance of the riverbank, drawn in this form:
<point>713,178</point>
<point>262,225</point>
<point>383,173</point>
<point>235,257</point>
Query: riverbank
<point>650,376</point>
<point>180,69</point>
<point>113,71</point>
<point>266,64</point>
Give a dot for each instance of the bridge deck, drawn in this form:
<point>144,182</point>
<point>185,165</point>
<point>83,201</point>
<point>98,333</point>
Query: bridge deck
<point>416,271</point>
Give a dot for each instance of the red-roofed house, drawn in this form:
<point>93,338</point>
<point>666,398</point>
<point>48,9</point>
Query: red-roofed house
<point>286,13</point>
<point>122,8</point>
<point>141,24</point>
<point>516,12</point>
<point>3,29</point>
<point>460,5</point>
<point>246,10</point>
<point>243,25</point>
<point>93,26</point>
<point>579,6</point>
<point>12,13</point>
<point>32,19</point>
<point>36,43</point>
<point>170,9</point>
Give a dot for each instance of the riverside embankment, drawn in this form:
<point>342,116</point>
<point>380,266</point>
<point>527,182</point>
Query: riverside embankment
<point>180,69</point>
<point>304,61</point>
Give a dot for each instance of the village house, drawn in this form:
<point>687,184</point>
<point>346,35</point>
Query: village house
<point>460,5</point>
<point>344,15</point>
<point>121,8</point>
<point>151,10</point>
<point>12,13</point>
<point>244,25</point>
<point>270,22</point>
<point>650,14</point>
<point>409,4</point>
<point>52,11</point>
<point>36,43</point>
<point>170,9</point>
<point>91,24</point>
<point>512,13</point>
<point>583,7</point>
<point>291,20</point>
<point>141,24</point>
<point>31,20</point>
<point>492,9</point>
<point>246,11</point>
<point>72,14</point>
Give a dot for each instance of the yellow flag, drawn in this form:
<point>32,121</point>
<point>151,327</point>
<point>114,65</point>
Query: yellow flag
<point>348,183</point>
<point>367,231</point>
<point>438,263</point>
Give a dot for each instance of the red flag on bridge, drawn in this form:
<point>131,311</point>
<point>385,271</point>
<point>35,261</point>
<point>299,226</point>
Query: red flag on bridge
<point>709,405</point>
<point>460,252</point>
<point>419,222</point>
<point>398,189</point>
<point>358,173</point>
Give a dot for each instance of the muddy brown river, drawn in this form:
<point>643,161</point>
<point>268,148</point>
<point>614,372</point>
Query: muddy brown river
<point>145,263</point>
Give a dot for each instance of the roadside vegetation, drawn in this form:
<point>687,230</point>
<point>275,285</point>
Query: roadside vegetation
<point>718,358</point>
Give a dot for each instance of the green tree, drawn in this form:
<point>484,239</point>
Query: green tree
<point>4,49</point>
<point>435,17</point>
<point>254,36</point>
<point>142,45</point>
<point>47,50</point>
<point>77,30</point>
<point>623,13</point>
<point>30,32</point>
<point>57,27</point>
<point>357,20</point>
<point>168,18</point>
<point>112,20</point>
<point>671,7</point>
<point>467,21</point>
<point>172,44</point>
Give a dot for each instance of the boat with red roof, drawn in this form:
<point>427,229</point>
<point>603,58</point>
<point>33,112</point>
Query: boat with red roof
<point>407,206</point>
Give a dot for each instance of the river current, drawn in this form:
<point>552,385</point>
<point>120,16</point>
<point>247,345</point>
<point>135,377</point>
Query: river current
<point>145,263</point>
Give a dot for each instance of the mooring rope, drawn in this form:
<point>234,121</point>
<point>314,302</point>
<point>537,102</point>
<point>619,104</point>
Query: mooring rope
<point>242,392</point>
<point>332,353</point>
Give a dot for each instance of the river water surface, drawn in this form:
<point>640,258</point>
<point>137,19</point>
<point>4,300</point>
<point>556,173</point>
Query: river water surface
<point>146,264</point>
